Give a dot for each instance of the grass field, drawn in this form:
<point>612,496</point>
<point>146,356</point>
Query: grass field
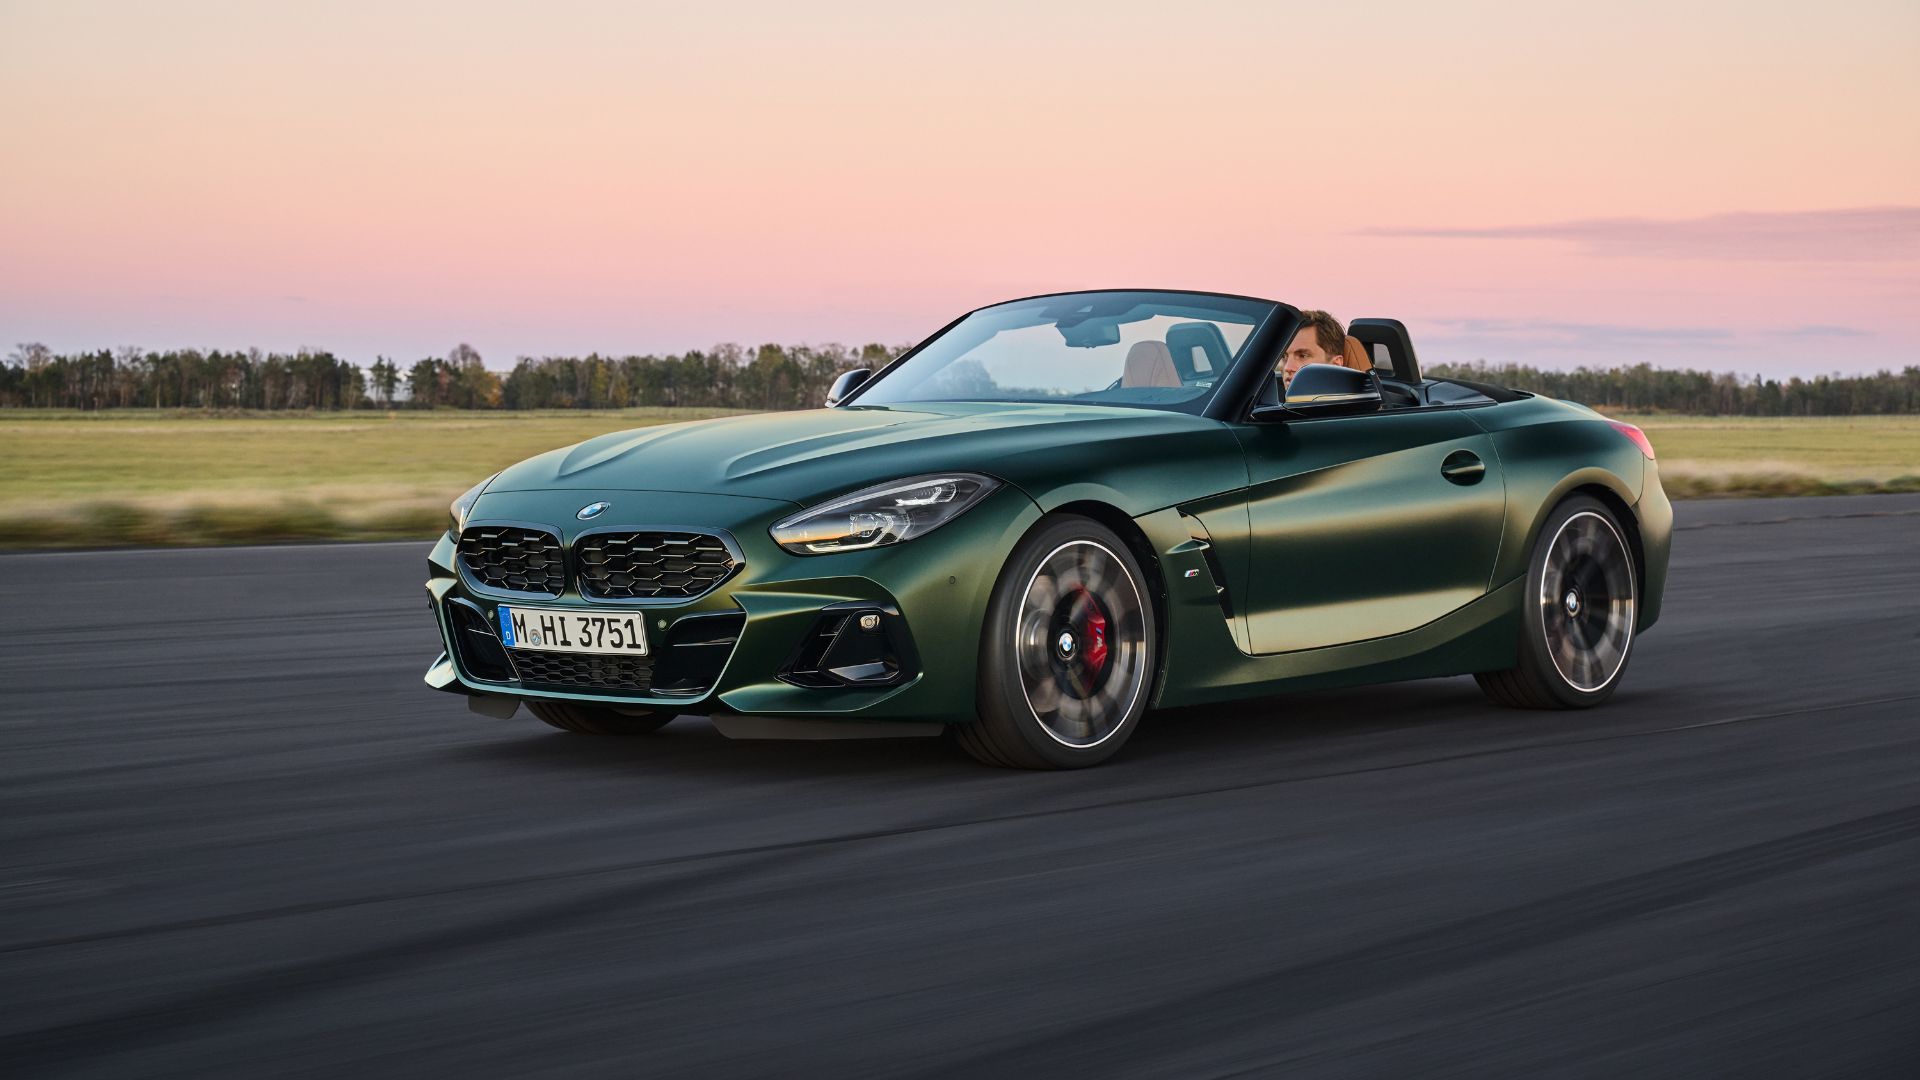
<point>1704,456</point>
<point>191,478</point>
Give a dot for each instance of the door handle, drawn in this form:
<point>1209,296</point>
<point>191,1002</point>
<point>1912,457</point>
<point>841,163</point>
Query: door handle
<point>1463,467</point>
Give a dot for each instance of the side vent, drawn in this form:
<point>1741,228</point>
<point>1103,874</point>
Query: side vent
<point>1202,541</point>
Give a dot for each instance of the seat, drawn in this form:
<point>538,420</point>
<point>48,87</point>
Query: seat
<point>1355,355</point>
<point>1149,363</point>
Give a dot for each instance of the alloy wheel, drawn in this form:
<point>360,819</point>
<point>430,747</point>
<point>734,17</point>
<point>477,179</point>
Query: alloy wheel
<point>1587,603</point>
<point>1080,640</point>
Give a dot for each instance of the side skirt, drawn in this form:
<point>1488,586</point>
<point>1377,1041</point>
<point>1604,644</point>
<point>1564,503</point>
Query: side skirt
<point>1482,636</point>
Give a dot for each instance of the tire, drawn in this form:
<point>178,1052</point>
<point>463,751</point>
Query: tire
<point>1578,620</point>
<point>1067,652</point>
<point>594,720</point>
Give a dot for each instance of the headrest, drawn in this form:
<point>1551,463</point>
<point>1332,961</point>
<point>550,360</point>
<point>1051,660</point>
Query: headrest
<point>1149,363</point>
<point>1184,339</point>
<point>1355,355</point>
<point>1391,333</point>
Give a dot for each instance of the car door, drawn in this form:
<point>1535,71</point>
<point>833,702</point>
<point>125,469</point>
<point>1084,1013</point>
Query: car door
<point>1367,526</point>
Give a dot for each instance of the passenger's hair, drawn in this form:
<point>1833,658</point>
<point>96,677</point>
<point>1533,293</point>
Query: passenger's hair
<point>1327,330</point>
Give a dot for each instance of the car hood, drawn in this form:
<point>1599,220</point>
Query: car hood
<point>802,457</point>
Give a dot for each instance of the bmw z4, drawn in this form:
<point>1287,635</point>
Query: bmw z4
<point>1051,516</point>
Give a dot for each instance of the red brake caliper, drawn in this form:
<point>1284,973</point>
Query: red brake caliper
<point>1096,650</point>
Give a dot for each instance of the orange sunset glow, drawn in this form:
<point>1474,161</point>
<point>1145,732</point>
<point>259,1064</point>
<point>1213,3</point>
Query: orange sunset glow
<point>1723,186</point>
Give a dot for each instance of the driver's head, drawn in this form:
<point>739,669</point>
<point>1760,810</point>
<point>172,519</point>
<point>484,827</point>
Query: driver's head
<point>1320,340</point>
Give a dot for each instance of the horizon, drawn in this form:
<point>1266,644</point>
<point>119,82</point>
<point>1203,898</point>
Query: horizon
<point>746,351</point>
<point>1519,185</point>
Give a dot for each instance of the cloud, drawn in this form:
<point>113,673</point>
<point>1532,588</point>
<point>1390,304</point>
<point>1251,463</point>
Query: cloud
<point>1860,234</point>
<point>1551,336</point>
<point>1823,330</point>
<point>1559,344</point>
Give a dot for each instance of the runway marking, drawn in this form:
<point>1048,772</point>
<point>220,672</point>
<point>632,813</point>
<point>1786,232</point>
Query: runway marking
<point>319,906</point>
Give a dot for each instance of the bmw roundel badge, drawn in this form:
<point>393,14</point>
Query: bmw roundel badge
<point>592,510</point>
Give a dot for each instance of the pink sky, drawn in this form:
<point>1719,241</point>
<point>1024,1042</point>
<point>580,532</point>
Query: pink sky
<point>1731,186</point>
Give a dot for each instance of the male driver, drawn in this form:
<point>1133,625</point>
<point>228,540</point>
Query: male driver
<point>1320,340</point>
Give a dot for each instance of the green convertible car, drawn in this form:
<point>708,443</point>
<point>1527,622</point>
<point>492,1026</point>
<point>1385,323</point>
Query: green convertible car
<point>1049,517</point>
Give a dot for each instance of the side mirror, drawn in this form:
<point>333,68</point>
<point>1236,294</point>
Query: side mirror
<point>1320,390</point>
<point>847,383</point>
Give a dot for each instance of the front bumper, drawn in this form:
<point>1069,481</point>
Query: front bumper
<point>932,592</point>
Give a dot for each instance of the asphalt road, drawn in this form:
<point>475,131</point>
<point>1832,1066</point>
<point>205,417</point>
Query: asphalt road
<point>238,837</point>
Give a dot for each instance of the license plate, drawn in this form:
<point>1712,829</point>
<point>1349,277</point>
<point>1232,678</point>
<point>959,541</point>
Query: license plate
<point>574,631</point>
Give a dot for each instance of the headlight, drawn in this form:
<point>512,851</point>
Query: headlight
<point>463,505</point>
<point>883,514</point>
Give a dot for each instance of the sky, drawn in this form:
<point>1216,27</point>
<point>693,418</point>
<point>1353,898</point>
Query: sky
<point>1729,186</point>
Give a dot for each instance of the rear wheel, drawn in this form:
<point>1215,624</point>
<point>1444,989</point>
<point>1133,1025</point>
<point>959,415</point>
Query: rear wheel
<point>1066,658</point>
<point>596,720</point>
<point>1578,619</point>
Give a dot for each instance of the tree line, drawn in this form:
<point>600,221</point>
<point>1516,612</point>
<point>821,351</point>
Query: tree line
<point>768,377</point>
<point>33,376</point>
<point>726,376</point>
<point>1645,388</point>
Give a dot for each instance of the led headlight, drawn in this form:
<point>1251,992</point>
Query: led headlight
<point>883,514</point>
<point>463,505</point>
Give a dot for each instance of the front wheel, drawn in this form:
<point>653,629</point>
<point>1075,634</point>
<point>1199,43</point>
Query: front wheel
<point>595,720</point>
<point>1578,618</point>
<point>1067,653</point>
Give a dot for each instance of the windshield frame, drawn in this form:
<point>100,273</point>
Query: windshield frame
<point>1221,402</point>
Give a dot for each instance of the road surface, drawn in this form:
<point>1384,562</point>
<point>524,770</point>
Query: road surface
<point>240,838</point>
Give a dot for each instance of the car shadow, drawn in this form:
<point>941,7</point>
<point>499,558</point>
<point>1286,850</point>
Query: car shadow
<point>1362,718</point>
<point>691,743</point>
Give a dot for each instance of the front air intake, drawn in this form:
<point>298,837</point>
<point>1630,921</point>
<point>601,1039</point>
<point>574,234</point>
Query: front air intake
<point>584,672</point>
<point>854,644</point>
<point>695,651</point>
<point>479,648</point>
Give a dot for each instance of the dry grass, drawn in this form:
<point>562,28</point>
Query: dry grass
<point>178,477</point>
<point>1721,456</point>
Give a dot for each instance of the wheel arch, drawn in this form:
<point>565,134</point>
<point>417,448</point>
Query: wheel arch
<point>1629,520</point>
<point>998,737</point>
<point>1129,531</point>
<point>1609,491</point>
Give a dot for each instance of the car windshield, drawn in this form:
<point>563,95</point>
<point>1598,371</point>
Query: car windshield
<point>1146,349</point>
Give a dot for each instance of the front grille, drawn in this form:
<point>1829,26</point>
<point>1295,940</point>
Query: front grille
<point>520,560</point>
<point>580,671</point>
<point>651,565</point>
